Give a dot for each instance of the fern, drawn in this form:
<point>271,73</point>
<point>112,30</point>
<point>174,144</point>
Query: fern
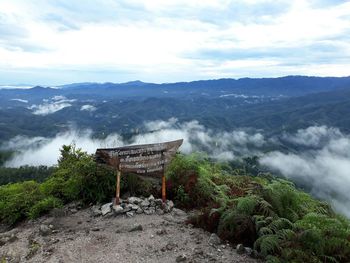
<point>268,244</point>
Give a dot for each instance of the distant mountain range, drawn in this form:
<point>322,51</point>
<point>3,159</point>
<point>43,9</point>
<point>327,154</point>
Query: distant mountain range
<point>272,104</point>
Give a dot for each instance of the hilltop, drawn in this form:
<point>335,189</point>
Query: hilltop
<point>71,234</point>
<point>277,221</point>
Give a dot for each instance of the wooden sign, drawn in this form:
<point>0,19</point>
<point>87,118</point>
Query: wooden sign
<point>146,159</point>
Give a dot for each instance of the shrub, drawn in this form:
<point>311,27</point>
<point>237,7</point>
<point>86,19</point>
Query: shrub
<point>17,199</point>
<point>78,177</point>
<point>43,206</point>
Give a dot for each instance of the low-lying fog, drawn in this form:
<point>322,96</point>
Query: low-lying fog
<point>323,164</point>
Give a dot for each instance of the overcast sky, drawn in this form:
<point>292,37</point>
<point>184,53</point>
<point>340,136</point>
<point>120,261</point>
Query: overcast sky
<point>53,42</point>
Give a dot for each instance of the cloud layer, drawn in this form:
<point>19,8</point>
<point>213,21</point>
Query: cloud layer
<point>323,168</point>
<point>319,161</point>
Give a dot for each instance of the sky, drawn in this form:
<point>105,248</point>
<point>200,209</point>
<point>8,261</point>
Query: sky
<point>53,42</point>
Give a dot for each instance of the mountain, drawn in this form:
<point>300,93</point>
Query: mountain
<point>271,104</point>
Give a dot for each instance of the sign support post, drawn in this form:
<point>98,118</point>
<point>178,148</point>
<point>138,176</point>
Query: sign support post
<point>117,192</point>
<point>163,187</point>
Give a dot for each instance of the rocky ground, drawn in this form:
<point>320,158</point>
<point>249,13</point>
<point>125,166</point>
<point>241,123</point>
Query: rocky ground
<point>122,234</point>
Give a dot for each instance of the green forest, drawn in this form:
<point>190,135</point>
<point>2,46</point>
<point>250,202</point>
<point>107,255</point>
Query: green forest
<point>236,201</point>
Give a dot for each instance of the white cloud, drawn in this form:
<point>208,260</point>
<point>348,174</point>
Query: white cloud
<point>20,100</point>
<point>158,40</point>
<point>52,105</point>
<point>88,108</point>
<point>324,168</point>
<point>315,136</point>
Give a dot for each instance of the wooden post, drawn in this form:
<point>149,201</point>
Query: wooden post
<point>117,192</point>
<point>163,188</point>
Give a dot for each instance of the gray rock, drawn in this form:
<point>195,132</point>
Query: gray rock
<point>151,198</point>
<point>96,211</point>
<point>133,207</point>
<point>136,228</point>
<point>181,258</point>
<point>214,240</point>
<point>134,200</point>
<point>139,211</point>
<point>129,214</point>
<point>159,202</point>
<point>118,209</point>
<point>248,250</point>
<point>161,232</point>
<point>171,245</point>
<point>159,212</point>
<point>169,205</point>
<point>106,208</point>
<point>145,203</point>
<point>44,230</point>
<point>240,249</point>
<point>147,212</point>
<point>73,210</point>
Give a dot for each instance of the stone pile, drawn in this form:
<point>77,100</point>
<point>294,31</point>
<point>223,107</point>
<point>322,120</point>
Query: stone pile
<point>134,205</point>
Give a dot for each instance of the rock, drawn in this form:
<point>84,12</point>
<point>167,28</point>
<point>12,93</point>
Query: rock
<point>158,202</point>
<point>160,212</point>
<point>106,208</point>
<point>136,228</point>
<point>178,212</point>
<point>133,207</point>
<point>248,250</point>
<point>129,214</point>
<point>44,230</point>
<point>73,210</point>
<point>147,212</point>
<point>51,226</point>
<point>118,209</point>
<point>181,258</point>
<point>134,200</point>
<point>240,249</point>
<point>171,245</point>
<point>161,232</point>
<point>96,211</point>
<point>151,198</point>
<point>214,240</point>
<point>139,211</point>
<point>145,203</point>
<point>169,205</point>
<point>95,229</point>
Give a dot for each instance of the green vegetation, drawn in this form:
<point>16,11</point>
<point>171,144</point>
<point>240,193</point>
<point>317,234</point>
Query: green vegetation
<point>77,177</point>
<point>283,223</point>
<point>269,214</point>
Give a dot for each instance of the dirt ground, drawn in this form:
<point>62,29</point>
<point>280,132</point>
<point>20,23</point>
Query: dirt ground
<point>81,237</point>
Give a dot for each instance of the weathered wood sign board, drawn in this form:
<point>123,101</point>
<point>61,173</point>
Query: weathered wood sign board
<point>145,159</point>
